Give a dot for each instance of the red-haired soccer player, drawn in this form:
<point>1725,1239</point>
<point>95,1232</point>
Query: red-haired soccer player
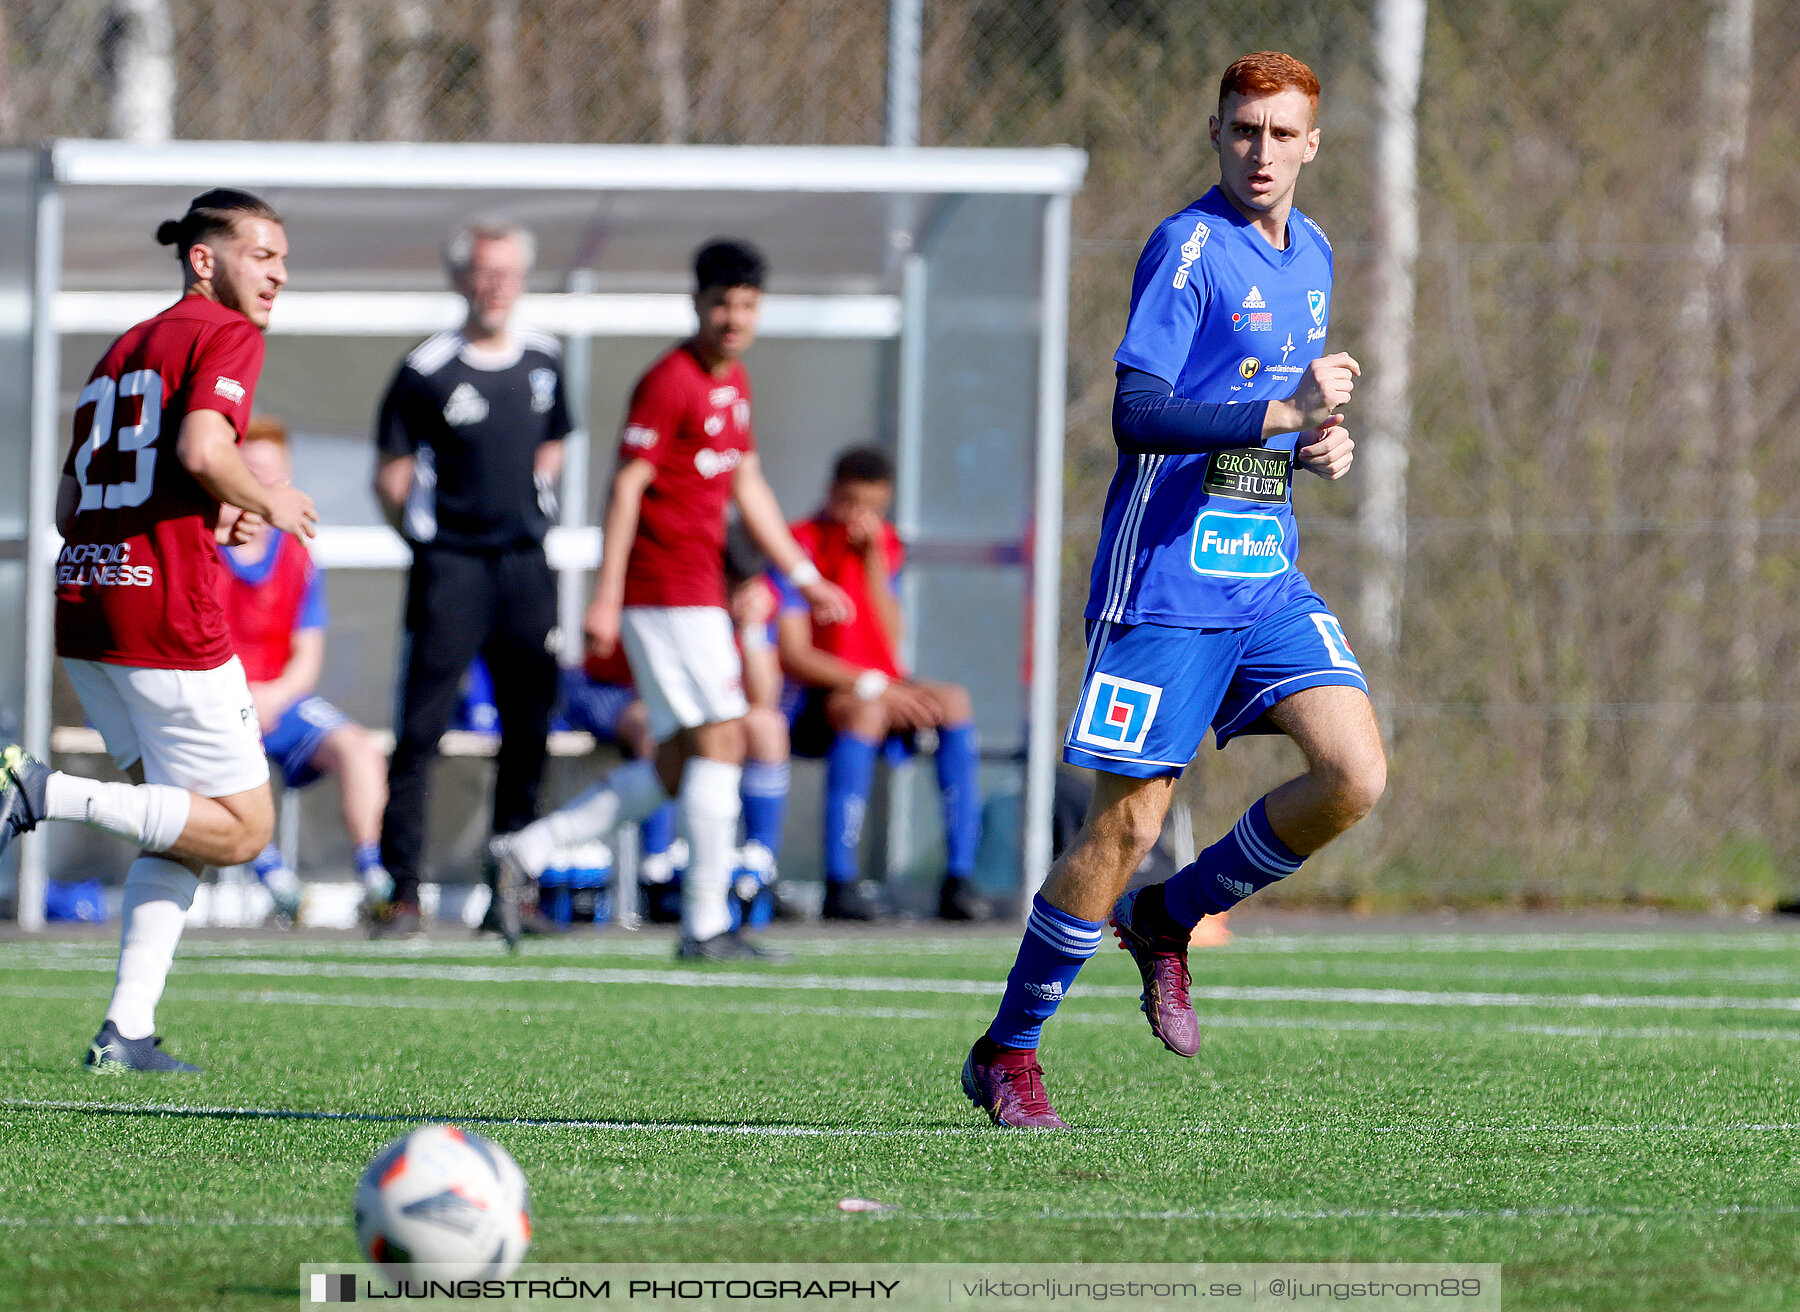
<point>1197,615</point>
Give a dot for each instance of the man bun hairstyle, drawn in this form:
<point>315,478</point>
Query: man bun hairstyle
<point>208,215</point>
<point>726,262</point>
<point>459,247</point>
<point>1268,73</point>
<point>862,464</point>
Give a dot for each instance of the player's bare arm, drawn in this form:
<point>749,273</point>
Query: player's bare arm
<point>1324,388</point>
<point>547,463</point>
<point>866,536</point>
<point>1327,450</point>
<point>393,481</point>
<point>298,677</point>
<point>208,450</point>
<point>600,626</point>
<point>768,529</point>
<point>906,705</point>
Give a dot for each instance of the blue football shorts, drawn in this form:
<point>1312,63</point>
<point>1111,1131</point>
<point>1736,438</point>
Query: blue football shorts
<point>1151,692</point>
<point>295,739</point>
<point>595,707</point>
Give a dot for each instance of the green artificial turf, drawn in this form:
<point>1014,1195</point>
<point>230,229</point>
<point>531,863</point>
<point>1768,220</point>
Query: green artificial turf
<point>1611,1116</point>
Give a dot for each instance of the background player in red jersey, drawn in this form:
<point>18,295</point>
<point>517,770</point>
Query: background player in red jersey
<point>858,699</point>
<point>274,601</point>
<point>138,620</point>
<point>686,451</point>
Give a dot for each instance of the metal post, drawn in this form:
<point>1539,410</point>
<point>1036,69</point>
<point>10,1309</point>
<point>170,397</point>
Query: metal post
<point>906,29</point>
<point>909,454</point>
<point>578,369</point>
<point>141,57</point>
<point>1046,547</point>
<point>43,543</point>
<point>1399,41</point>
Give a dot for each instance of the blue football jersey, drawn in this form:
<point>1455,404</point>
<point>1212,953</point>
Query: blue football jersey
<point>1208,541</point>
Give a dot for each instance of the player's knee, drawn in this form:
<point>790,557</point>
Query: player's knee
<point>958,709</point>
<point>250,836</point>
<point>1357,783</point>
<point>862,717</point>
<point>1126,836</point>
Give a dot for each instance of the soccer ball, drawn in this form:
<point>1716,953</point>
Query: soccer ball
<point>445,1199</point>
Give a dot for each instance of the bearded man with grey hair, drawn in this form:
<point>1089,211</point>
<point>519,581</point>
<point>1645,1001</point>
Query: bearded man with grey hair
<point>469,443</point>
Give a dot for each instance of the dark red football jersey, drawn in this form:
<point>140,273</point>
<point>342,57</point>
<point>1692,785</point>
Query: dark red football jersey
<point>695,429</point>
<point>137,580</point>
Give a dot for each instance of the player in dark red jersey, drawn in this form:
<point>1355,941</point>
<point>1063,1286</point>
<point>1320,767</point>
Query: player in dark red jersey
<point>687,450</point>
<point>859,701</point>
<point>274,599</point>
<point>138,620</point>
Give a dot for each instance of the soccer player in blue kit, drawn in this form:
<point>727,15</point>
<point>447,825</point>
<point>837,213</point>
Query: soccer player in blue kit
<point>1197,614</point>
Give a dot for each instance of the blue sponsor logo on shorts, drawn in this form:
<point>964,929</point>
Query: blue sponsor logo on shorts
<point>1238,546</point>
<point>1117,714</point>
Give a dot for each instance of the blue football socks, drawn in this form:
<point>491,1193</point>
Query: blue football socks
<point>267,862</point>
<point>367,857</point>
<point>959,779</point>
<point>849,775</point>
<point>1246,859</point>
<point>765,794</point>
<point>1055,946</point>
<point>657,832</point>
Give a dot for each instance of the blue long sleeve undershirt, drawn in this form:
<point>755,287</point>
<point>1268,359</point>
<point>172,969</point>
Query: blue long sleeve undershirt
<point>1148,419</point>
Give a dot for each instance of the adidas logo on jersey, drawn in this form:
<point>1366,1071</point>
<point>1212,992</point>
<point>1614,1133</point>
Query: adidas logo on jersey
<point>465,406</point>
<point>1254,301</point>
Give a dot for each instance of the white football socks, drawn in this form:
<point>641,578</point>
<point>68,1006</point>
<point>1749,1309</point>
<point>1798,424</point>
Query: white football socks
<point>158,893</point>
<point>150,815</point>
<point>624,797</point>
<point>709,808</point>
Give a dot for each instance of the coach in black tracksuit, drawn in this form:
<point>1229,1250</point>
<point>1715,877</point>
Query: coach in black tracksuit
<point>469,447</point>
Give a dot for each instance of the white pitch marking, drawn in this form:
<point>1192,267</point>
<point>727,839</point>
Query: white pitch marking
<point>1253,1023</point>
<point>542,1223</point>
<point>851,1132</point>
<point>736,980</point>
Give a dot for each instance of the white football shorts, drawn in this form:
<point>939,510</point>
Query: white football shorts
<point>685,662</point>
<point>194,729</point>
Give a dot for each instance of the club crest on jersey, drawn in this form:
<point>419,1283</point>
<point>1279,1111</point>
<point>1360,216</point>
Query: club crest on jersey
<point>465,406</point>
<point>1315,301</point>
<point>1190,251</point>
<point>1249,367</point>
<point>712,463</point>
<point>1238,546</point>
<point>543,390</point>
<point>1117,714</point>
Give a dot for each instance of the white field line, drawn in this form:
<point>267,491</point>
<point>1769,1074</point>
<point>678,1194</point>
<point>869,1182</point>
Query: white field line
<point>103,955</point>
<point>770,981</point>
<point>831,1216</point>
<point>1460,943</point>
<point>922,1131</point>
<point>282,997</point>
<point>397,1002</point>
